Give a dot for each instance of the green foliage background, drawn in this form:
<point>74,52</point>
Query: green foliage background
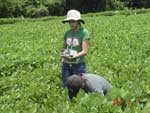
<point>40,8</point>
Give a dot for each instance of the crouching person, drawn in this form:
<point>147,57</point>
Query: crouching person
<point>89,83</point>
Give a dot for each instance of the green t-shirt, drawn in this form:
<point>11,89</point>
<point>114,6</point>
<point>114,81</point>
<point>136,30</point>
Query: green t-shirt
<point>74,40</point>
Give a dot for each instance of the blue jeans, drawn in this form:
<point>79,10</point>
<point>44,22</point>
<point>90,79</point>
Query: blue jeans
<point>70,69</point>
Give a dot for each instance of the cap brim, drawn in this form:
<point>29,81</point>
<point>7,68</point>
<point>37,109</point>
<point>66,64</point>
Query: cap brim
<point>67,20</point>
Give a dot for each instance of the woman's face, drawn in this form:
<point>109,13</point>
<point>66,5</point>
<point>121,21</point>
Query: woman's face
<point>73,24</point>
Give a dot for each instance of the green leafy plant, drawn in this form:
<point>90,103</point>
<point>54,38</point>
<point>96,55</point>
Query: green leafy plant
<point>30,65</point>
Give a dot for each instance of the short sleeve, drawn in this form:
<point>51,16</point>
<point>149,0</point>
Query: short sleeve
<point>65,36</point>
<point>86,35</point>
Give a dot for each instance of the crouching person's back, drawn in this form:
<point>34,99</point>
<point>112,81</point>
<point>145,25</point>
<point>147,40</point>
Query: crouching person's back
<point>89,83</point>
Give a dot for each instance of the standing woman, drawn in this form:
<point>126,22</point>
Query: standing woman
<point>76,43</point>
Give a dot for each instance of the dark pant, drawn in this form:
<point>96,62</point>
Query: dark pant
<point>70,69</point>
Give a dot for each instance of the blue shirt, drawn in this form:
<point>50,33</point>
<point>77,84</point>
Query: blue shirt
<point>95,83</point>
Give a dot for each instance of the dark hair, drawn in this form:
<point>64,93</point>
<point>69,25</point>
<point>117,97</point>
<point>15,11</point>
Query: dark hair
<point>81,21</point>
<point>73,83</point>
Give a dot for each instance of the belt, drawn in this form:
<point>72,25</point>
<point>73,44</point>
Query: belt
<point>70,62</point>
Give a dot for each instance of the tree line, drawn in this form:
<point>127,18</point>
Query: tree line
<point>39,8</point>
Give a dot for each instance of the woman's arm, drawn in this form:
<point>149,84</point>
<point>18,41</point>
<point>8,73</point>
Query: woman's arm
<point>85,45</point>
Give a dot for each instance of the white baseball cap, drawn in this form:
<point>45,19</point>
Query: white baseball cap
<point>73,15</point>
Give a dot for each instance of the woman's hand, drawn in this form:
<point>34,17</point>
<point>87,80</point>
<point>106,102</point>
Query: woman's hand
<point>69,57</point>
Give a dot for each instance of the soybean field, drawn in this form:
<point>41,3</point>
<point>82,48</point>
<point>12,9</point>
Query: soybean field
<point>30,66</point>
